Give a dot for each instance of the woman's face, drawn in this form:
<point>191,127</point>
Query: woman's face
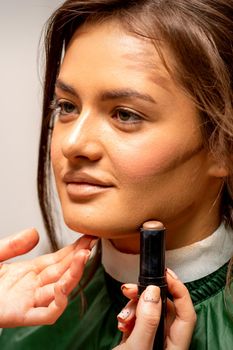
<point>126,145</point>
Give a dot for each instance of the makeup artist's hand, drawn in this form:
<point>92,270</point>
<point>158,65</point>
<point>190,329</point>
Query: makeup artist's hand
<point>35,292</point>
<point>139,319</point>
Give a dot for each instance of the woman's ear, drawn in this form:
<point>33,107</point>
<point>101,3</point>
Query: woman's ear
<point>217,168</point>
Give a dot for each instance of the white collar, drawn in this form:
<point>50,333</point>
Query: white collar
<point>189,263</point>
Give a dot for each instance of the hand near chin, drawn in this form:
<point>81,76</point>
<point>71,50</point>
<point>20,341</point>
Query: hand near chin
<point>35,292</point>
<point>140,318</point>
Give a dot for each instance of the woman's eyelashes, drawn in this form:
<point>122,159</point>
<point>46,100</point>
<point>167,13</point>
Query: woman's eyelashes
<point>65,110</point>
<point>126,116</point>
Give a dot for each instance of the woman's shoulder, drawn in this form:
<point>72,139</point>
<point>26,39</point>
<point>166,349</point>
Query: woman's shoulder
<point>213,303</point>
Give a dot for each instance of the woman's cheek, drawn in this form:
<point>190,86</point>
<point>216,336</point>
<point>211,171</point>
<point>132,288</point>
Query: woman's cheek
<point>144,163</point>
<point>56,159</point>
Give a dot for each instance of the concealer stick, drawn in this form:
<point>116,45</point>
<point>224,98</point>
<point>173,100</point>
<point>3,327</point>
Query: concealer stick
<point>152,270</point>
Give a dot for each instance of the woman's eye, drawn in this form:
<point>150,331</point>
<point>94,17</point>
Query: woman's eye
<point>125,116</point>
<point>65,108</point>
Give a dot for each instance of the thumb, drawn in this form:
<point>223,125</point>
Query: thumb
<point>147,319</point>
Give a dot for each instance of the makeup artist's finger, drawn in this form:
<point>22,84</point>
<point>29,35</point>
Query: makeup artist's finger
<point>43,262</point>
<point>126,328</point>
<point>67,281</point>
<point>72,276</point>
<point>181,298</point>
<point>47,315</point>
<point>130,290</point>
<point>171,313</point>
<point>54,271</point>
<point>84,242</point>
<point>185,316</point>
<point>44,295</point>
<point>147,319</point>
<point>126,317</point>
<point>124,338</point>
<point>18,244</point>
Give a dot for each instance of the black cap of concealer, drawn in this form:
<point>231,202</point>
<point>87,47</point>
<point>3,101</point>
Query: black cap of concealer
<point>152,255</point>
<point>152,270</point>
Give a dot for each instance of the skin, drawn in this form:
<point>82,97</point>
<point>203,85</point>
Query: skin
<point>156,157</point>
<point>35,292</point>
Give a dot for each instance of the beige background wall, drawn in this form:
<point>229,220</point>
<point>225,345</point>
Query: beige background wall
<point>21,23</point>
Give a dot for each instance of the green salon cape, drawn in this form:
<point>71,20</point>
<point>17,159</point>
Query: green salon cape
<point>97,328</point>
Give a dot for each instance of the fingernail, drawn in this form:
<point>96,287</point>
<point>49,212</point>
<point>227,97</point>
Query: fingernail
<point>123,315</point>
<point>172,274</point>
<point>152,294</point>
<point>93,243</point>
<point>128,286</point>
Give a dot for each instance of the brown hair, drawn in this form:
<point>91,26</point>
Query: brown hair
<point>199,33</point>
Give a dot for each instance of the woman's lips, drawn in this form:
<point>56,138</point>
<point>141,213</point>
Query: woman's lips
<point>83,190</point>
<point>81,185</point>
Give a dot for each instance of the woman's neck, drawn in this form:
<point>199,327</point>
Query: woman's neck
<point>190,263</point>
<point>189,229</point>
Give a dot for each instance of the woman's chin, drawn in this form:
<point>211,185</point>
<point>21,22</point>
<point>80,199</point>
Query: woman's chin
<point>88,230</point>
<point>103,231</point>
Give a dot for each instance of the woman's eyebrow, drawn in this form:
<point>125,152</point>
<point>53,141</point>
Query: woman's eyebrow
<point>109,94</point>
<point>66,88</point>
<point>125,93</point>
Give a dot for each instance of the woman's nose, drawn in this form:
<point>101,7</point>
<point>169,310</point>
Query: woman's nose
<point>82,140</point>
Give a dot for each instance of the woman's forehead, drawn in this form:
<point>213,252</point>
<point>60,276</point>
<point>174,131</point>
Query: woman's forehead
<point>107,44</point>
<point>113,37</point>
